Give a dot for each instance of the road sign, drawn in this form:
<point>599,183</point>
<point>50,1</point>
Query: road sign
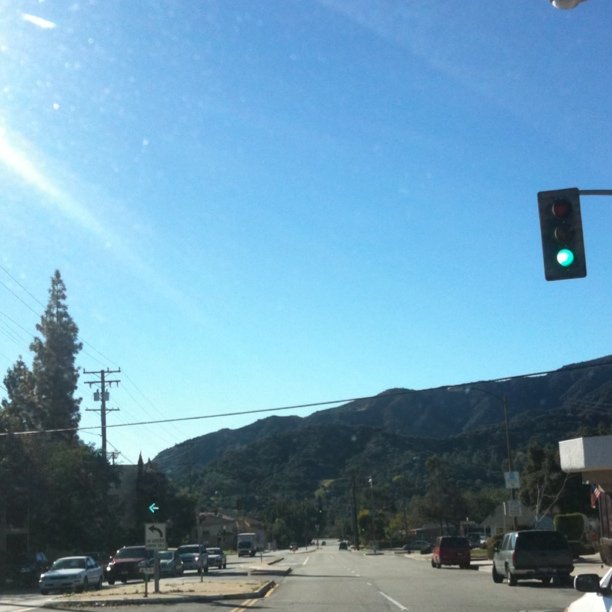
<point>155,536</point>
<point>153,507</point>
<point>513,480</point>
<point>513,507</point>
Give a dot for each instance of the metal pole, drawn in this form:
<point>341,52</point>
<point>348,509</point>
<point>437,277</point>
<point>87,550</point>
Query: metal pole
<point>507,426</point>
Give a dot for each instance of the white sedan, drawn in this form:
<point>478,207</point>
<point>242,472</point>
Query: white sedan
<point>71,573</point>
<point>597,593</point>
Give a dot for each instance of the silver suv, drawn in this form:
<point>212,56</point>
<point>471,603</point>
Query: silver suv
<point>538,554</point>
<point>194,557</point>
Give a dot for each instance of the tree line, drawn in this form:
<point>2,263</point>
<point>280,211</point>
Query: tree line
<point>57,493</point>
<point>61,495</point>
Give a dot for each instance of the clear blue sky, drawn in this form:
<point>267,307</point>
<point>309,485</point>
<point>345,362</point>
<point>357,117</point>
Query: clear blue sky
<point>256,204</point>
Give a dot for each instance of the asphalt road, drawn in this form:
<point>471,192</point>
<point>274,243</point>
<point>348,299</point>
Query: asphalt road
<point>328,579</point>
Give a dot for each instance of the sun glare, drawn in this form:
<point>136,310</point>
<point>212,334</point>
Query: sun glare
<point>39,22</point>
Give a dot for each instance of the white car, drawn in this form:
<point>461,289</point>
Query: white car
<point>597,593</point>
<point>71,573</point>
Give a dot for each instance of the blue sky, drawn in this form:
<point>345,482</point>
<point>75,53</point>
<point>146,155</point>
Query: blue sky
<point>256,204</point>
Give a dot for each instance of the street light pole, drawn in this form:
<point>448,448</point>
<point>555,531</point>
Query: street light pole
<point>504,401</point>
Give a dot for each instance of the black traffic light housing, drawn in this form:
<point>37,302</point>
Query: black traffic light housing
<point>562,240</point>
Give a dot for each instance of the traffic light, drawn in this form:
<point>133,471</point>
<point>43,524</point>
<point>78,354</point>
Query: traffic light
<point>562,242</point>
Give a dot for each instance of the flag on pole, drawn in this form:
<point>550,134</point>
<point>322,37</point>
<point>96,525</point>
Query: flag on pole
<point>595,493</point>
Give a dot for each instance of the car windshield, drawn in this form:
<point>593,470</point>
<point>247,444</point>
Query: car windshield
<point>166,555</point>
<point>131,553</point>
<point>454,542</point>
<point>550,540</point>
<point>70,563</point>
<point>275,273</point>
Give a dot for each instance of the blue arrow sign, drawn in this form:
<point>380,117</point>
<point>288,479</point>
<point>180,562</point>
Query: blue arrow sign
<point>153,507</point>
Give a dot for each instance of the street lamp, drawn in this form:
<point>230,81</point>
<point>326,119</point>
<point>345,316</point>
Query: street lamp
<point>504,401</point>
<point>565,4</point>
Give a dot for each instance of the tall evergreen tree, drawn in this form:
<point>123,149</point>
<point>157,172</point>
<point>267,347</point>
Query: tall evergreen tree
<point>53,365</point>
<point>20,411</point>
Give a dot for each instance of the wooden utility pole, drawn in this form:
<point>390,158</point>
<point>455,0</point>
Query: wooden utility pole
<point>103,396</point>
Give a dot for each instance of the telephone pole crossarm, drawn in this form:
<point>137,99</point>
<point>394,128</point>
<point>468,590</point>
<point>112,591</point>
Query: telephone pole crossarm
<point>102,381</point>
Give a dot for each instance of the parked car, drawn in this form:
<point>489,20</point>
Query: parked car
<point>28,567</point>
<point>597,593</point>
<point>476,540</point>
<point>194,557</point>
<point>451,550</point>
<point>532,554</point>
<point>216,557</point>
<point>71,574</point>
<point>128,563</point>
<point>422,546</point>
<point>170,563</point>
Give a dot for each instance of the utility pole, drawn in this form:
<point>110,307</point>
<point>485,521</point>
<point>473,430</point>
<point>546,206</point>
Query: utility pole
<point>355,521</point>
<point>102,395</point>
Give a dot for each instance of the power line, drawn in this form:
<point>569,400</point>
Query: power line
<point>310,405</point>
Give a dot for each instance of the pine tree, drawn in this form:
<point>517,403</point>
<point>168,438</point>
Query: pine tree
<point>53,365</point>
<point>20,411</point>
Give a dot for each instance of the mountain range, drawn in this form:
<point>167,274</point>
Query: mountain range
<point>392,434</point>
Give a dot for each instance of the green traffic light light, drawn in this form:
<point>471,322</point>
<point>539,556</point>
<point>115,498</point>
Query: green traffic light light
<point>565,257</point>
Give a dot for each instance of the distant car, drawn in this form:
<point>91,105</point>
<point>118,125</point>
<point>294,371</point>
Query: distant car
<point>475,539</point>
<point>597,593</point>
<point>194,557</point>
<point>170,563</point>
<point>71,574</point>
<point>532,554</point>
<point>422,546</point>
<point>343,545</point>
<point>451,550</point>
<point>216,557</point>
<point>128,563</point>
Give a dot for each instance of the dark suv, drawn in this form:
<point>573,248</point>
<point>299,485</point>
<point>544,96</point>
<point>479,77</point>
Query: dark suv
<point>542,555</point>
<point>128,563</point>
<point>451,550</point>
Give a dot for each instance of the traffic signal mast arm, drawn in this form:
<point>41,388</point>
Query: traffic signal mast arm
<point>603,192</point>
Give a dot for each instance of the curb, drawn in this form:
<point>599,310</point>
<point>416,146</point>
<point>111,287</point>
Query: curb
<point>167,600</point>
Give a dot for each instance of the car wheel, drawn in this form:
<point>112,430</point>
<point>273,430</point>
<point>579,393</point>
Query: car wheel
<point>44,592</point>
<point>510,577</point>
<point>99,584</point>
<point>497,578</point>
<point>546,580</point>
<point>225,566</point>
<point>111,581</point>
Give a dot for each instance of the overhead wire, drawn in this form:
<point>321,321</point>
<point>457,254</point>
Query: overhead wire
<point>16,337</point>
<point>308,405</point>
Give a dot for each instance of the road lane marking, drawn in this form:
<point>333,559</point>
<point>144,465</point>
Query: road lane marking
<point>306,560</point>
<point>244,605</point>
<point>395,603</point>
